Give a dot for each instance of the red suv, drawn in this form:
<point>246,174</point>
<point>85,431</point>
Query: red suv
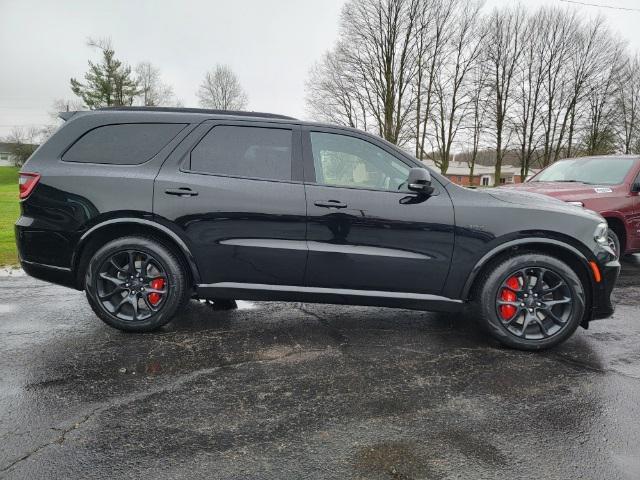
<point>608,185</point>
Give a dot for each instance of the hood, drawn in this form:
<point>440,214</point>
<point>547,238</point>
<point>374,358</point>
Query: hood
<point>565,191</point>
<point>525,197</point>
<point>522,196</point>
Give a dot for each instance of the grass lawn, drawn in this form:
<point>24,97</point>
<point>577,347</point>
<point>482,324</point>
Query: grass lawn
<point>9,212</point>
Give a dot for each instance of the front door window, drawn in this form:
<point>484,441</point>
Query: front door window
<point>344,161</point>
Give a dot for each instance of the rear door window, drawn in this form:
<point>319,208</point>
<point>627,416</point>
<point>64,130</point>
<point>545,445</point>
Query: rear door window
<point>243,151</point>
<point>122,144</point>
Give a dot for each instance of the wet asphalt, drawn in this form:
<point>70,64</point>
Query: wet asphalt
<point>286,390</point>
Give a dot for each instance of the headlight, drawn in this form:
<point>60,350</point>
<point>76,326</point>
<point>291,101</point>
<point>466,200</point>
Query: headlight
<point>577,204</point>
<point>601,234</point>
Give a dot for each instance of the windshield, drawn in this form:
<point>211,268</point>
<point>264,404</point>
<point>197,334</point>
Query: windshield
<point>600,171</point>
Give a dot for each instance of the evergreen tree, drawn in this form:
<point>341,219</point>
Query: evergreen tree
<point>108,83</point>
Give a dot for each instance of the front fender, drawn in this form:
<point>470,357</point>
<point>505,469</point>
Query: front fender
<point>521,242</point>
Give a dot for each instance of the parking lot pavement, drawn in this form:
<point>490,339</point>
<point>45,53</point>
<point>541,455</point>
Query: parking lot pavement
<point>284,390</point>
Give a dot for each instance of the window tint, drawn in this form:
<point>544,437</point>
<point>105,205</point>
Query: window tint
<point>125,144</point>
<point>345,161</point>
<point>254,152</point>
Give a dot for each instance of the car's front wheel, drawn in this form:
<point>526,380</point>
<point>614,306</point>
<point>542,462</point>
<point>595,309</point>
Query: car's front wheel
<point>531,301</point>
<point>135,284</point>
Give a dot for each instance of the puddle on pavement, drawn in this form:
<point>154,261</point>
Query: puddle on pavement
<point>244,305</point>
<point>4,308</point>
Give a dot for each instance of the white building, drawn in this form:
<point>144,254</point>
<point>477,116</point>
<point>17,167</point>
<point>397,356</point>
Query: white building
<point>6,158</point>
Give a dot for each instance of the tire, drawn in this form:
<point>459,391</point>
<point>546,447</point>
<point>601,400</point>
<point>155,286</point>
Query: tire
<point>614,242</point>
<point>557,317</point>
<point>132,307</point>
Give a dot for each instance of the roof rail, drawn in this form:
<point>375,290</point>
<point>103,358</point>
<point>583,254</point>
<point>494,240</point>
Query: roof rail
<point>236,113</point>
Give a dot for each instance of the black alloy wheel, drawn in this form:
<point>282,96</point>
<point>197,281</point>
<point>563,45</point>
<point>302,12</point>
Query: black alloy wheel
<point>530,300</point>
<point>132,285</point>
<point>534,303</point>
<point>136,284</point>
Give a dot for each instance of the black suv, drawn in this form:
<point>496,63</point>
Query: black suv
<point>146,208</point>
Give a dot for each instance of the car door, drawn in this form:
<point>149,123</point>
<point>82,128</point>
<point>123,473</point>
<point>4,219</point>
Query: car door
<point>365,230</point>
<point>234,191</point>
<point>634,221</point>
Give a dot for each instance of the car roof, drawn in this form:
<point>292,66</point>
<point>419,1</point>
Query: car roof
<point>203,111</point>
<point>192,115</point>
<point>197,114</point>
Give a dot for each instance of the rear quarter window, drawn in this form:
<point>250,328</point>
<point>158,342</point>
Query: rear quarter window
<point>122,144</point>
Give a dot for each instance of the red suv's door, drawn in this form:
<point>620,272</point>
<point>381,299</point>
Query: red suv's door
<point>634,221</point>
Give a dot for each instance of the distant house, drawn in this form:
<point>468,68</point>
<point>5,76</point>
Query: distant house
<point>483,175</point>
<point>6,158</point>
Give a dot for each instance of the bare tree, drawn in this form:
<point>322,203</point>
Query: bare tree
<point>65,105</point>
<point>153,91</point>
<point>221,90</point>
<point>379,38</point>
<point>59,105</point>
<point>628,103</point>
<point>558,29</point>
<point>332,94</point>
<point>475,123</point>
<point>595,52</point>
<point>434,74</point>
<point>451,87</point>
<point>529,91</point>
<point>503,53</point>
<point>434,29</point>
<point>600,137</point>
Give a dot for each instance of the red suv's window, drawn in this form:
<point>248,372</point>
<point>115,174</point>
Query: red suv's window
<point>597,171</point>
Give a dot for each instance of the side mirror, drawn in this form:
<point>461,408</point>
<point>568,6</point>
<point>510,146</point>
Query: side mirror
<point>419,181</point>
<point>635,188</point>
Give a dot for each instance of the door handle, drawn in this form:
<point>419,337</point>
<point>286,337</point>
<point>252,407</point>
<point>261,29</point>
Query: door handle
<point>330,204</point>
<point>181,192</point>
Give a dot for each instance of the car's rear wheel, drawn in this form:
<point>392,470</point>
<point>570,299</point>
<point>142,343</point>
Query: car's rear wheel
<point>531,301</point>
<point>135,284</point>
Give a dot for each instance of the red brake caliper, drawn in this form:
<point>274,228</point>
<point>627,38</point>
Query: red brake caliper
<point>508,295</point>
<point>156,284</point>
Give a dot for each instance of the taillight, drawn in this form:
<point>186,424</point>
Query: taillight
<point>27,182</point>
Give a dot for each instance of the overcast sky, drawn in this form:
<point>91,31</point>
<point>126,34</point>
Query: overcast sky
<point>270,44</point>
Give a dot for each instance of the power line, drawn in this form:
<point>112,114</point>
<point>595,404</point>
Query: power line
<point>628,9</point>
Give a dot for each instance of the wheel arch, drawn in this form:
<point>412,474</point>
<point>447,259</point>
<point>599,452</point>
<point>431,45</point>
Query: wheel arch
<point>108,230</point>
<point>617,224</point>
<point>563,251</point>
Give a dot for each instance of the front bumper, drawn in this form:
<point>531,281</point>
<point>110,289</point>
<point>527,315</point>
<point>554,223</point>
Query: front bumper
<point>602,306</point>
